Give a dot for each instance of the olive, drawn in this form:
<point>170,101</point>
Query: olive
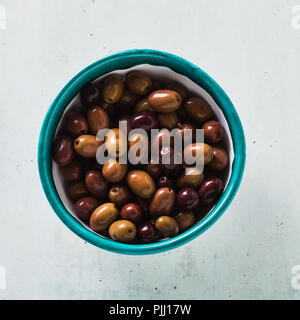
<point>153,169</point>
<point>63,151</point>
<point>119,195</point>
<point>220,159</point>
<point>89,95</point>
<point>187,131</point>
<point>87,145</point>
<point>84,207</point>
<point>116,143</point>
<point>198,109</point>
<point>192,153</point>
<point>178,87</point>
<point>164,101</point>
<point>128,98</point>
<point>89,164</point>
<point>187,199</point>
<point>167,158</point>
<point>113,88</point>
<point>185,220</point>
<point>213,131</point>
<point>103,216</point>
<point>123,231</point>
<point>147,232</point>
<point>96,184</point>
<point>114,171</point>
<point>164,182</point>
<point>167,226</point>
<point>76,124</point>
<point>73,171</point>
<point>97,119</point>
<point>144,120</point>
<point>163,138</point>
<point>210,190</point>
<point>109,108</point>
<point>168,120</point>
<point>77,190</point>
<point>143,106</point>
<point>140,184</point>
<point>138,82</point>
<point>162,202</point>
<point>191,177</point>
<point>132,212</point>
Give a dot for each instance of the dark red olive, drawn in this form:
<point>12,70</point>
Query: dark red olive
<point>210,190</point>
<point>96,184</point>
<point>167,161</point>
<point>153,169</point>
<point>187,199</point>
<point>89,95</point>
<point>147,232</point>
<point>178,87</point>
<point>164,182</point>
<point>213,131</point>
<point>119,195</point>
<point>84,207</point>
<point>144,204</point>
<point>144,120</point>
<point>76,124</point>
<point>132,212</point>
<point>73,171</point>
<point>63,151</point>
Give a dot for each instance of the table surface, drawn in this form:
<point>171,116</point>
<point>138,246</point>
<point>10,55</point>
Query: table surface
<point>251,48</point>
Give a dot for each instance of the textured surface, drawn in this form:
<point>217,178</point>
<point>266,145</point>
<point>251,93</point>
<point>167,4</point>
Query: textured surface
<point>252,50</point>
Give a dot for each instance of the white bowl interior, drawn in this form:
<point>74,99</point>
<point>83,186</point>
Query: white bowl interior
<point>156,72</point>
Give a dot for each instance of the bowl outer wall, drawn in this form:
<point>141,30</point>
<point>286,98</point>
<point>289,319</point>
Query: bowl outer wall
<point>124,60</point>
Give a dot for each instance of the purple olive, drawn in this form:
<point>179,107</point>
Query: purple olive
<point>89,95</point>
<point>188,199</point>
<point>144,120</point>
<point>169,168</point>
<point>147,232</point>
<point>109,108</point>
<point>210,190</point>
<point>76,124</point>
<point>84,207</point>
<point>132,212</point>
<point>63,151</point>
<point>96,184</point>
<point>164,182</point>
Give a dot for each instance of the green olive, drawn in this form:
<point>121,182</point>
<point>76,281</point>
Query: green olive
<point>87,145</point>
<point>113,88</point>
<point>168,120</point>
<point>167,226</point>
<point>123,231</point>
<point>185,219</point>
<point>165,101</point>
<point>103,216</point>
<point>190,178</point>
<point>141,183</point>
<point>143,106</point>
<point>138,82</point>
<point>195,150</point>
<point>114,171</point>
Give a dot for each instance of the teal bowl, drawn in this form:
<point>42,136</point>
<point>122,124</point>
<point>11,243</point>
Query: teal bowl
<point>125,60</point>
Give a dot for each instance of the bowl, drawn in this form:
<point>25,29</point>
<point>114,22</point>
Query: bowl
<point>126,60</point>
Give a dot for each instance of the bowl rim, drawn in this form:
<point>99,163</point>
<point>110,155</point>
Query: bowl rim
<point>123,60</point>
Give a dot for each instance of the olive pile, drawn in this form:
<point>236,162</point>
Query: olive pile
<point>142,202</point>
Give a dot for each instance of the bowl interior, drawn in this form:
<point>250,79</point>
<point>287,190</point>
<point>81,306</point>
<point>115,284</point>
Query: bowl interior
<point>165,75</point>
